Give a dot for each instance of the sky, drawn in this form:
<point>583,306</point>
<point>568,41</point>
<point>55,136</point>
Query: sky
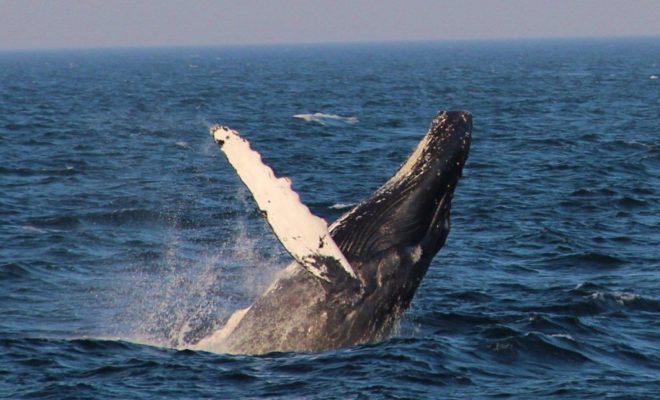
<point>50,24</point>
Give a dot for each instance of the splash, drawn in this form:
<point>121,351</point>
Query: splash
<point>187,294</point>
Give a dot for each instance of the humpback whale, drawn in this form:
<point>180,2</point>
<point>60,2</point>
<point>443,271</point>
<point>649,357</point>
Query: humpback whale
<point>351,281</point>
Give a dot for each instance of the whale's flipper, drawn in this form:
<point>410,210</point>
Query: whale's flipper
<point>304,235</point>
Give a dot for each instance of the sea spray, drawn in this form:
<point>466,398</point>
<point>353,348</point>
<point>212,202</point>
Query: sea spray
<point>180,295</point>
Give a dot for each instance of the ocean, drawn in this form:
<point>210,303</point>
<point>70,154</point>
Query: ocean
<point>120,219</point>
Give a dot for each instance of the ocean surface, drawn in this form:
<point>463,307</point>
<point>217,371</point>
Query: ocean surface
<point>120,220</point>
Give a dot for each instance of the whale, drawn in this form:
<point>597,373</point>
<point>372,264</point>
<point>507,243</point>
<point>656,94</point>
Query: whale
<point>350,282</point>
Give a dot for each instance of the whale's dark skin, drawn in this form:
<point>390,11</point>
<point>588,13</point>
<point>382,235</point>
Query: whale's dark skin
<point>389,239</point>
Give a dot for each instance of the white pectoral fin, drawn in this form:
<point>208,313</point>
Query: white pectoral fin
<point>304,235</point>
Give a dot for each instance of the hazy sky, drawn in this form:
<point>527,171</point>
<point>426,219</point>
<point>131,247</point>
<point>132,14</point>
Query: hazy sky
<point>111,23</point>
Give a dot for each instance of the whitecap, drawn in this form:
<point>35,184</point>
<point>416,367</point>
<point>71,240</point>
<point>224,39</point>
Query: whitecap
<point>625,297</point>
<point>563,336</point>
<point>31,228</point>
<point>620,298</point>
<point>341,206</point>
<point>324,119</point>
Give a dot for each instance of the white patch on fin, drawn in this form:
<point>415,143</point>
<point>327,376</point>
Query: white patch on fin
<point>304,235</point>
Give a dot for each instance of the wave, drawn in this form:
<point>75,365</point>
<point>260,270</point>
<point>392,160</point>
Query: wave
<point>183,144</point>
<point>66,170</point>
<point>628,300</point>
<point>326,119</point>
<point>559,347</point>
<point>588,259</point>
<point>61,221</point>
<point>588,299</point>
<point>115,217</point>
<point>13,270</point>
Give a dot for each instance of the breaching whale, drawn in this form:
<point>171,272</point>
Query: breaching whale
<point>350,282</point>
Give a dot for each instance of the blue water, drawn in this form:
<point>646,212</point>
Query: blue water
<point>120,219</point>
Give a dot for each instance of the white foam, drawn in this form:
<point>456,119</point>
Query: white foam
<point>323,118</point>
<point>620,298</point>
<point>341,206</point>
<point>31,228</point>
<point>563,336</point>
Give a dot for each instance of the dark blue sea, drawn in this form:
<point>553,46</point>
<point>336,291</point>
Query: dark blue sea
<point>120,220</point>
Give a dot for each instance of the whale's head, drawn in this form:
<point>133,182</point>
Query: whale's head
<point>392,236</point>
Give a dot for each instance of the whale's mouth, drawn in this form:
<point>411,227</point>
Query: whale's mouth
<point>412,208</point>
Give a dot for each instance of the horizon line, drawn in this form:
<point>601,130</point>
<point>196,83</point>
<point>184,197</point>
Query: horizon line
<point>328,43</point>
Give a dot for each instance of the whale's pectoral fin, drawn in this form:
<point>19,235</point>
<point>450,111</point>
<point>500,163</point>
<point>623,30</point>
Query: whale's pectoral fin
<point>304,235</point>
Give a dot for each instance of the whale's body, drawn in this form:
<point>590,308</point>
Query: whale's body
<point>350,282</point>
